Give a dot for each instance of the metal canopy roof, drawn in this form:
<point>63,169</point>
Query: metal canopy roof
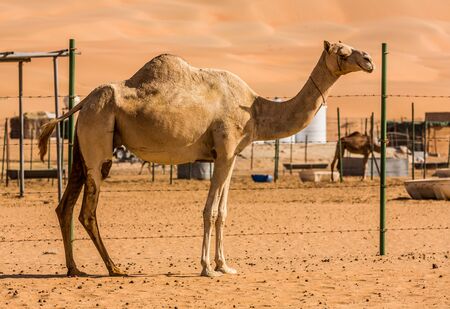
<point>11,56</point>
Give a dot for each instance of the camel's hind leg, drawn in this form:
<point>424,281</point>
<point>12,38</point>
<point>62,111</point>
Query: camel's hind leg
<point>95,134</point>
<point>66,205</point>
<point>88,216</point>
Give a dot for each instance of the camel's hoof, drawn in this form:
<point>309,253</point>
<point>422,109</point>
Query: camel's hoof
<point>226,270</point>
<point>74,272</point>
<point>116,272</point>
<point>210,273</point>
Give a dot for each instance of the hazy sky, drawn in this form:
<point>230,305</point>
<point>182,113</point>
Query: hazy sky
<point>272,45</point>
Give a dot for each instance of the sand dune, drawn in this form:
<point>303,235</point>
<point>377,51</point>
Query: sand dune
<point>271,46</point>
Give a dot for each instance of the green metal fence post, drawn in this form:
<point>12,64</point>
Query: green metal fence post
<point>383,151</point>
<point>290,155</point>
<point>413,141</point>
<point>341,169</point>
<point>71,120</point>
<point>448,154</point>
<point>306,148</point>
<point>71,101</point>
<point>425,148</point>
<point>372,123</point>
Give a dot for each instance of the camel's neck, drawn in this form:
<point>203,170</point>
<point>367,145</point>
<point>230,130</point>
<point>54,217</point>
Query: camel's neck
<point>276,120</point>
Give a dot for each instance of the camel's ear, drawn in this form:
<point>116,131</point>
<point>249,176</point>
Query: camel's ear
<point>326,46</point>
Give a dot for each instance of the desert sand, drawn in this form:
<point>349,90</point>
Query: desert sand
<point>295,245</point>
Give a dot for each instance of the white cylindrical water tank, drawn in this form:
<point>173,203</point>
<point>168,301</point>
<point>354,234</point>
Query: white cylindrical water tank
<point>316,130</point>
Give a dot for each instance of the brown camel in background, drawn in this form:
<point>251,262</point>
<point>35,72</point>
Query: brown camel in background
<point>170,112</point>
<point>355,143</point>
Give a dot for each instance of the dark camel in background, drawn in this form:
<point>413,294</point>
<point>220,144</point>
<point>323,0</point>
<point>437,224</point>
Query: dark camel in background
<point>356,143</point>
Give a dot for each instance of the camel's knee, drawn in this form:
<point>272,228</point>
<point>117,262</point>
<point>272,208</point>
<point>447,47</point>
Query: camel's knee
<point>87,215</point>
<point>222,215</point>
<point>62,211</point>
<point>87,219</point>
<point>90,186</point>
<point>59,211</point>
<point>220,221</point>
<point>210,215</point>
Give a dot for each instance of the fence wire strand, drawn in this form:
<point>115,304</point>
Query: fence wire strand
<point>280,97</point>
<point>234,234</point>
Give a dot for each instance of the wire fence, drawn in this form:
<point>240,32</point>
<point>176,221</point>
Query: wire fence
<point>356,95</point>
<point>306,232</point>
<point>260,158</point>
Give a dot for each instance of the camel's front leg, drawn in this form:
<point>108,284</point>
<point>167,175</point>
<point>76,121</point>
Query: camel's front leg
<point>336,158</point>
<point>221,264</point>
<point>210,213</point>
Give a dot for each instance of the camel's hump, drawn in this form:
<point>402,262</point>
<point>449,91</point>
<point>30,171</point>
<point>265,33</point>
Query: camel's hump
<point>161,68</point>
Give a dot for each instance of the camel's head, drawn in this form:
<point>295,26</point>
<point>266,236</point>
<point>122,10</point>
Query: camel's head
<point>342,59</point>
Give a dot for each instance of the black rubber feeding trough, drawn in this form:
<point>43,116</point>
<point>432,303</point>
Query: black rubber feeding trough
<point>33,174</point>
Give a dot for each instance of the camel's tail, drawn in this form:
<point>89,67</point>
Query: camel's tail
<point>48,128</point>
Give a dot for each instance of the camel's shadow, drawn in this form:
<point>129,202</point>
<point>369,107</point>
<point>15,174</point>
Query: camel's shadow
<point>94,276</point>
<point>31,276</point>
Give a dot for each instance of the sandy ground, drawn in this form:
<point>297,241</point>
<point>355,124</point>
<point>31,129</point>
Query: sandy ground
<point>295,245</point>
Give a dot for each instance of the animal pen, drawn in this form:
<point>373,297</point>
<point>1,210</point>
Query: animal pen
<point>20,58</point>
<point>297,156</point>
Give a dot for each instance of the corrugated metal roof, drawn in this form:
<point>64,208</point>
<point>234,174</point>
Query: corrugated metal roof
<point>10,56</point>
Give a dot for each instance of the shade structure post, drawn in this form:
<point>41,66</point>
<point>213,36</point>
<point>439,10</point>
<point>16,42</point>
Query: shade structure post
<point>251,156</point>
<point>31,148</point>
<point>4,148</point>
<point>58,128</point>
<point>21,151</point>
<point>383,151</point>
<point>71,102</point>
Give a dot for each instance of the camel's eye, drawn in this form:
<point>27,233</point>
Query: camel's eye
<point>344,53</point>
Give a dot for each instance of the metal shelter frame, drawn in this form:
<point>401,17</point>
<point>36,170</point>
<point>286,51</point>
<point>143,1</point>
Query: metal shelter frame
<point>20,58</point>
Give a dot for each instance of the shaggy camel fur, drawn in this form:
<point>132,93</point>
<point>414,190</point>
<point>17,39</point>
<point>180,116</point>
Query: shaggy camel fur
<point>355,143</point>
<point>169,112</point>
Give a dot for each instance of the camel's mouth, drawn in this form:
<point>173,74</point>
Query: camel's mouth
<point>367,66</point>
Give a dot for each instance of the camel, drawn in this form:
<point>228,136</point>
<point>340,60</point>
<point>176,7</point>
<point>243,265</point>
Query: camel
<point>170,112</point>
<point>355,143</point>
